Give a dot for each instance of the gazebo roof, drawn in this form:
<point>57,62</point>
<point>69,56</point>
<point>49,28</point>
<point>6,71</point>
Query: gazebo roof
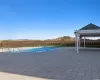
<point>90,27</point>
<point>89,30</point>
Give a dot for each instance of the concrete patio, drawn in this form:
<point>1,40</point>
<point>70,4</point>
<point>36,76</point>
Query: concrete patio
<point>60,64</point>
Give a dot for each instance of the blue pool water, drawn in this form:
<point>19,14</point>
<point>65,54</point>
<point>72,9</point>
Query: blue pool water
<point>42,49</point>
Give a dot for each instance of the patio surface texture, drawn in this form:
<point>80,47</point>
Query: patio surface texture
<point>59,64</point>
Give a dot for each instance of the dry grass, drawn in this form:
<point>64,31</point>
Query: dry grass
<point>30,43</point>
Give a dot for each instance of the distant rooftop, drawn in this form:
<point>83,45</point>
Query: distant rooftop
<point>90,27</point>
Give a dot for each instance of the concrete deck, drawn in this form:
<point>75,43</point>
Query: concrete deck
<point>59,64</point>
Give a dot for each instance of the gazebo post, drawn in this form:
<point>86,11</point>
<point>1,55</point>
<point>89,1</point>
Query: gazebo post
<point>77,36</point>
<point>84,42</point>
<point>79,41</point>
<point>75,41</point>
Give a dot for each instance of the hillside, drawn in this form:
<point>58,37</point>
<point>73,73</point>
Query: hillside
<point>64,38</point>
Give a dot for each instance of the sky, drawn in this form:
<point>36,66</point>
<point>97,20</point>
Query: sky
<point>46,19</point>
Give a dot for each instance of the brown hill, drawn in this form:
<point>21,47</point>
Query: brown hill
<point>64,38</point>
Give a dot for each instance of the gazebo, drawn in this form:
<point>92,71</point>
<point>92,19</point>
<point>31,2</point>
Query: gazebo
<point>89,30</point>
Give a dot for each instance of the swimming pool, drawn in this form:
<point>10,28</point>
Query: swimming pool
<point>41,49</point>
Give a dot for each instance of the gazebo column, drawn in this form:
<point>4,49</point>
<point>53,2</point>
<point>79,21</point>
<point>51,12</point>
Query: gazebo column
<point>79,41</point>
<point>77,45</point>
<point>84,42</point>
<point>75,41</point>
